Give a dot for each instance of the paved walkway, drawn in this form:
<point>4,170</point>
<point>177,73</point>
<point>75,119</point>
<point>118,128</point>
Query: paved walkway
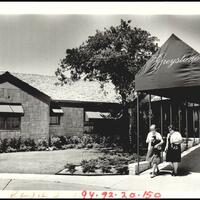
<point>34,185</point>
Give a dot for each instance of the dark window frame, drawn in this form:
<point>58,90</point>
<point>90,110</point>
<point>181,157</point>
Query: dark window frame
<point>57,123</point>
<point>5,126</point>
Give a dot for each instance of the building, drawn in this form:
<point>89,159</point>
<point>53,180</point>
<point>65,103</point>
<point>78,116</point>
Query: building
<point>34,106</point>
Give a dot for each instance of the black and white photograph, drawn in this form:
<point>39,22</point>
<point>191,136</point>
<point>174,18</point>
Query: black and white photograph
<point>99,100</point>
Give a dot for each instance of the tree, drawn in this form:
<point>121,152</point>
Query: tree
<point>115,54</point>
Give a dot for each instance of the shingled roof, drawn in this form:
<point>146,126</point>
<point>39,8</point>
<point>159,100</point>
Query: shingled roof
<point>89,91</point>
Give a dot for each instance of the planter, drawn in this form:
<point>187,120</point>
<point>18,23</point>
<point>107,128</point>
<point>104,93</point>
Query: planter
<point>190,143</point>
<point>183,147</point>
<point>133,168</point>
<point>97,172</point>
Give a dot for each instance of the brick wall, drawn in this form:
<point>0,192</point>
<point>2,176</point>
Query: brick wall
<point>71,123</point>
<point>35,122</point>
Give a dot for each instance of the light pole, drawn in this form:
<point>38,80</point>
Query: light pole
<point>138,134</point>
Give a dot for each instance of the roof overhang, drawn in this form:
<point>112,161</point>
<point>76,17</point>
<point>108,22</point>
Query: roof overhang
<point>173,72</point>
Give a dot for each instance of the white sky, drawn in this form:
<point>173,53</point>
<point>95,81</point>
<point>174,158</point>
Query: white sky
<point>34,36</point>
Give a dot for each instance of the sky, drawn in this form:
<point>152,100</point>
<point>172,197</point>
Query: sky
<point>35,43</point>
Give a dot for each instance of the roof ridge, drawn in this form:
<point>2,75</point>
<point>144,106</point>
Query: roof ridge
<point>12,72</point>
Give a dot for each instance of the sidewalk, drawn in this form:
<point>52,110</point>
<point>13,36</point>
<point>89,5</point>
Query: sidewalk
<point>165,165</point>
<point>167,185</point>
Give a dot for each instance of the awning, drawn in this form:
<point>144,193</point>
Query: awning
<point>96,115</point>
<point>11,109</point>
<point>153,99</point>
<point>57,111</point>
<point>172,72</point>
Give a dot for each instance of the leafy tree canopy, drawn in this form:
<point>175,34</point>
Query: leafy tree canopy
<point>115,54</point>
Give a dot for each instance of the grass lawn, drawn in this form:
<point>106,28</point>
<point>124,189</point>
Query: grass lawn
<point>43,162</point>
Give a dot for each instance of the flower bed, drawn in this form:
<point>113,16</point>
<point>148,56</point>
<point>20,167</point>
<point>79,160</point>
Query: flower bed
<point>105,165</point>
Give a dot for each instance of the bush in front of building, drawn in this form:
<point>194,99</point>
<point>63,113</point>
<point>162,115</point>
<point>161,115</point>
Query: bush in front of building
<point>3,145</point>
<point>104,143</point>
<point>10,149</point>
<point>30,144</point>
<point>10,145</point>
<point>69,146</point>
<point>84,141</point>
<point>80,146</point>
<point>42,146</point>
<point>70,167</point>
<point>56,142</point>
<point>15,143</point>
<point>19,144</point>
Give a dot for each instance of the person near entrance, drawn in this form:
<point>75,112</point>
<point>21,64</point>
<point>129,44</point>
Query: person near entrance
<point>173,148</point>
<point>154,140</point>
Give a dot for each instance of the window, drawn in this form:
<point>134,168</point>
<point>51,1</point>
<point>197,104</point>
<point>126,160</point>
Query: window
<point>55,120</point>
<point>10,123</point>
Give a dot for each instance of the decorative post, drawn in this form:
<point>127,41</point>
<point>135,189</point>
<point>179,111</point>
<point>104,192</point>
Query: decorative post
<point>193,120</point>
<point>161,122</point>
<point>138,134</point>
<point>186,121</point>
<point>150,111</point>
<point>179,118</point>
<point>161,116</point>
<point>170,113</point>
<point>199,123</point>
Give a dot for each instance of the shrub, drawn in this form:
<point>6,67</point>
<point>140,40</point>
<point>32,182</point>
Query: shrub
<point>41,148</point>
<point>42,145</point>
<point>89,146</point>
<point>70,167</point>
<point>55,141</point>
<point>1,151</point>
<point>10,149</point>
<point>80,146</point>
<point>15,143</point>
<point>96,146</point>
<point>23,147</point>
<point>68,146</point>
<point>104,150</point>
<point>89,166</point>
<point>63,147</point>
<point>122,169</point>
<point>4,145</point>
<point>63,140</point>
<point>75,139</point>
<point>30,144</point>
<point>83,162</point>
<point>105,167</point>
<point>87,139</point>
<point>114,159</point>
